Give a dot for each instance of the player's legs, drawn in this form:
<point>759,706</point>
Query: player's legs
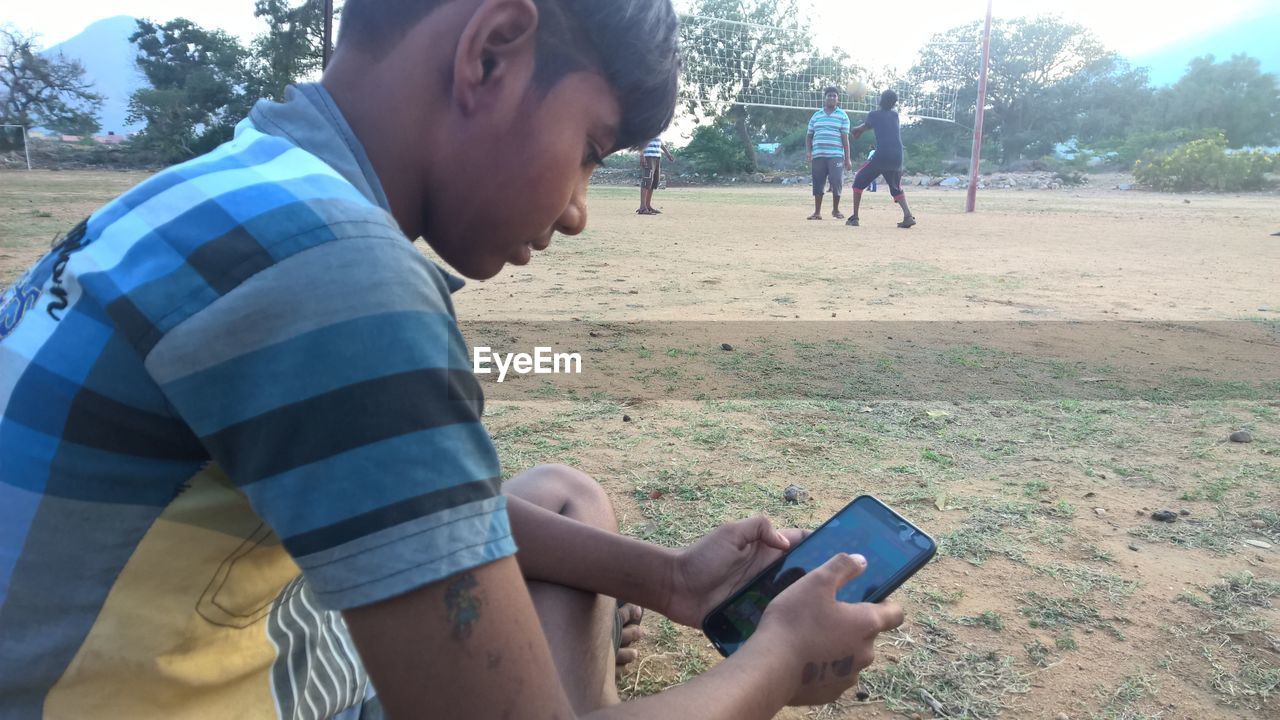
<point>836,174</point>
<point>866,174</point>
<point>819,167</point>
<point>654,181</point>
<point>894,181</point>
<point>578,625</point>
<point>645,193</point>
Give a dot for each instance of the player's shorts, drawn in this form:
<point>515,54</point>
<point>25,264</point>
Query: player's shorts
<point>652,172</point>
<point>868,173</point>
<point>827,168</point>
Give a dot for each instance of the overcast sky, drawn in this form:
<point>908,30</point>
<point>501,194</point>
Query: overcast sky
<point>877,34</point>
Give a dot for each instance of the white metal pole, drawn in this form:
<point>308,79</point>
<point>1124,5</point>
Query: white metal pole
<point>26,146</point>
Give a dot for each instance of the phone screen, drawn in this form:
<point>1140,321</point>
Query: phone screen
<point>894,549</point>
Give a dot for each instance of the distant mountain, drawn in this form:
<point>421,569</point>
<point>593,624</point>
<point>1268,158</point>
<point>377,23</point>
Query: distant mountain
<point>108,58</point>
<point>1255,36</point>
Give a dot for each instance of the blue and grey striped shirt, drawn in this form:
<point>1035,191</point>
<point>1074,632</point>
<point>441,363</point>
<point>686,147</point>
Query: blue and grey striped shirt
<point>238,370</point>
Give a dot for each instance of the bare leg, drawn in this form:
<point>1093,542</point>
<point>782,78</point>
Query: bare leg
<point>906,211</point>
<point>835,207</point>
<point>857,202</point>
<point>578,624</point>
<point>817,208</point>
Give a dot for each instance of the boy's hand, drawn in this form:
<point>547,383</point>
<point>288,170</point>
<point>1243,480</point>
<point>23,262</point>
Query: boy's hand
<point>707,572</point>
<point>848,164</point>
<point>808,157</point>
<point>828,642</point>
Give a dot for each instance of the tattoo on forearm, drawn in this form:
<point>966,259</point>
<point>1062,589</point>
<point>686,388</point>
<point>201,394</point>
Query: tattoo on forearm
<point>462,605</point>
<point>817,672</point>
<point>842,667</point>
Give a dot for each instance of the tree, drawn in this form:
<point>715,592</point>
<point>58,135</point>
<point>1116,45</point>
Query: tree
<point>765,50</point>
<point>197,88</point>
<point>291,49</point>
<point>1234,96</point>
<point>1032,63</point>
<point>39,91</point>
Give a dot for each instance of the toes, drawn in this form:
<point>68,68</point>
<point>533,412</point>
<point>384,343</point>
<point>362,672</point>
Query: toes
<point>626,656</point>
<point>630,634</point>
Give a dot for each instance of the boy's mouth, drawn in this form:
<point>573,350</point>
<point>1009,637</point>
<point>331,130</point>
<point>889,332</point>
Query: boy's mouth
<point>524,253</point>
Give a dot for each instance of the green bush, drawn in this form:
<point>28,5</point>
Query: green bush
<point>1133,146</point>
<point>715,149</point>
<point>1204,165</point>
<point>924,158</point>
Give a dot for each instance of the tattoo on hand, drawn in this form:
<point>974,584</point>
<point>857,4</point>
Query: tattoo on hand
<point>842,667</point>
<point>462,605</point>
<point>817,672</point>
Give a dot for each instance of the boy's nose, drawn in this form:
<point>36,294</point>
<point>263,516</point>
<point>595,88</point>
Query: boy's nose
<point>574,218</point>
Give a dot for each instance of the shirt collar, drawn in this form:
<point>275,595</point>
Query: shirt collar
<point>311,120</point>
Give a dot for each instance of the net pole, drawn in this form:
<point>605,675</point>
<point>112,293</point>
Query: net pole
<point>975,159</point>
<point>26,147</point>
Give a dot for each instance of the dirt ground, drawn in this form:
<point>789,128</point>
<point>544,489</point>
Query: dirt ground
<point>1027,383</point>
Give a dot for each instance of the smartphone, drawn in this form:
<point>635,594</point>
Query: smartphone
<point>895,549</point>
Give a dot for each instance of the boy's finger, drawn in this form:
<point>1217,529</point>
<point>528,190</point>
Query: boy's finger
<point>839,570</point>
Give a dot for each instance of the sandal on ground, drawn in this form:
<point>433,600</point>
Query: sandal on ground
<point>815,216</point>
<point>837,215</point>
<point>852,222</point>
<point>907,223</point>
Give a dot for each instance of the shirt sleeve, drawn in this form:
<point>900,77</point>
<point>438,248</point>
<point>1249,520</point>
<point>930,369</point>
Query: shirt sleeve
<point>334,388</point>
<point>812,123</point>
<point>844,123</point>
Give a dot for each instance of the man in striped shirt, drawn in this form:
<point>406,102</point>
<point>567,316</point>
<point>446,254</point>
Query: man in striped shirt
<point>651,174</point>
<point>243,472</point>
<point>828,151</point>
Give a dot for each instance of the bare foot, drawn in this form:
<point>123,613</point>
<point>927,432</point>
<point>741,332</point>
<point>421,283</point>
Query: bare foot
<point>814,216</point>
<point>629,616</point>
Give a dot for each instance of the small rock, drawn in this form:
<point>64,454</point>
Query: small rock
<point>795,494</point>
<point>1164,516</point>
<point>1258,544</point>
<point>1257,524</point>
<point>1241,436</point>
<point>1125,186</point>
<point>1090,494</point>
<point>626,418</point>
<point>1184,512</point>
<point>1101,512</point>
<point>1062,716</point>
<point>833,315</point>
<point>1186,202</point>
<point>1133,547</point>
<point>593,333</point>
<point>726,347</point>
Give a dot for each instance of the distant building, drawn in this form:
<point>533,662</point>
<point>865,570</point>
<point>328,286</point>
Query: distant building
<point>111,138</point>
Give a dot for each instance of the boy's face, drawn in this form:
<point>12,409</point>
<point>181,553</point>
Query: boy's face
<point>525,180</point>
<point>830,101</point>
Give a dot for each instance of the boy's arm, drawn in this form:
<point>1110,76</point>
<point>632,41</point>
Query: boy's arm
<point>857,132</point>
<point>848,154</point>
<point>471,646</point>
<point>670,157</point>
<point>808,146</point>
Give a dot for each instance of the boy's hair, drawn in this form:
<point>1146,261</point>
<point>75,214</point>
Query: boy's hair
<point>888,99</point>
<point>831,89</point>
<point>631,42</point>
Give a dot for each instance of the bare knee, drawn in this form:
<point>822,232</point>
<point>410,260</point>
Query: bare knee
<point>565,491</point>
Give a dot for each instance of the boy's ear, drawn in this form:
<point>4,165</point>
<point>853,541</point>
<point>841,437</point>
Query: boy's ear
<point>496,44</point>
